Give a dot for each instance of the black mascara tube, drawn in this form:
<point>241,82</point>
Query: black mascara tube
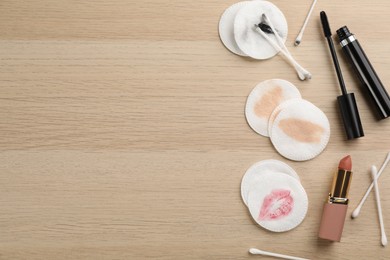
<point>365,71</point>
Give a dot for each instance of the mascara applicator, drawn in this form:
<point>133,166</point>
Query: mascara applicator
<point>347,102</point>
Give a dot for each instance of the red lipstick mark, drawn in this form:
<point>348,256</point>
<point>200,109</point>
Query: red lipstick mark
<point>346,163</point>
<point>277,204</point>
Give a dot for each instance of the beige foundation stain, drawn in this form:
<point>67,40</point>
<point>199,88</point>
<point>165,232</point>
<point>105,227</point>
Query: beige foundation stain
<point>302,130</point>
<point>272,119</point>
<point>268,102</point>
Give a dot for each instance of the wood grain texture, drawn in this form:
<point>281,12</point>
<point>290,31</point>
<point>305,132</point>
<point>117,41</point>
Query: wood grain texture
<point>123,136</point>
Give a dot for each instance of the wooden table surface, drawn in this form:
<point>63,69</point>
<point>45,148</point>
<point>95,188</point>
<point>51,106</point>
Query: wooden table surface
<point>123,135</point>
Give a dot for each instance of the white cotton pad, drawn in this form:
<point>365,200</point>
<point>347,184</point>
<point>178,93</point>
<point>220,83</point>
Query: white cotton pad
<point>226,28</point>
<point>276,112</point>
<point>259,168</point>
<point>279,203</point>
<point>250,41</point>
<point>300,131</point>
<point>263,99</point>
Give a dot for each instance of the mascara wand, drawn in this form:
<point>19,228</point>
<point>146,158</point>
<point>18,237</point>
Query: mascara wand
<point>328,36</point>
<point>347,101</point>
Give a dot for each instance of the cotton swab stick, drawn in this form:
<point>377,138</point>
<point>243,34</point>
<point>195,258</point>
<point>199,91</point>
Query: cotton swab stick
<point>300,35</point>
<point>280,47</point>
<point>300,71</point>
<point>268,21</point>
<point>255,251</point>
<point>356,212</point>
<point>375,176</point>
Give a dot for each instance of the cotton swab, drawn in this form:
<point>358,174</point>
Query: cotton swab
<point>300,35</point>
<point>265,18</point>
<point>255,251</point>
<point>300,71</point>
<point>375,176</point>
<point>356,212</point>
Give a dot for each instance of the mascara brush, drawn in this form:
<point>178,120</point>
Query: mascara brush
<point>347,102</point>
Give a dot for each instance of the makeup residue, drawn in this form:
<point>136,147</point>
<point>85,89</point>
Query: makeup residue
<point>268,102</point>
<point>302,130</point>
<point>272,118</point>
<point>276,205</point>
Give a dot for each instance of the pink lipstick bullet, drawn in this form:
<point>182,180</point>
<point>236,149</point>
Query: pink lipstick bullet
<point>335,209</point>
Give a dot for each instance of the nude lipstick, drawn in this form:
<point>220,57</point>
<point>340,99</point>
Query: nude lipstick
<point>335,208</point>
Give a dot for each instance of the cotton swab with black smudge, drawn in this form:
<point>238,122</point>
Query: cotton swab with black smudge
<point>266,20</point>
<point>265,27</point>
<point>300,35</point>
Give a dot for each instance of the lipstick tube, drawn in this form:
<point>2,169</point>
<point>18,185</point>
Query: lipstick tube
<point>335,208</point>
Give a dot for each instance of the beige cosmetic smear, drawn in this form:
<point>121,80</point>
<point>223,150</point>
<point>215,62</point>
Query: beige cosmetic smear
<point>277,110</point>
<point>300,131</point>
<point>264,98</point>
<point>268,102</point>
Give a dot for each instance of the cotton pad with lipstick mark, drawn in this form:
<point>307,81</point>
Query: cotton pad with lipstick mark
<point>279,203</point>
<point>264,98</point>
<point>251,42</point>
<point>300,131</point>
<point>226,28</point>
<point>266,166</point>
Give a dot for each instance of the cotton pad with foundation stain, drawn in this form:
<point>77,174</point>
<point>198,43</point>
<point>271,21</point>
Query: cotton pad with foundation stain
<point>264,98</point>
<point>248,39</point>
<point>226,28</point>
<point>259,168</point>
<point>278,203</point>
<point>277,111</point>
<point>300,131</point>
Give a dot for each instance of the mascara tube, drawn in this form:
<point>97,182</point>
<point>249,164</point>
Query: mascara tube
<point>365,71</point>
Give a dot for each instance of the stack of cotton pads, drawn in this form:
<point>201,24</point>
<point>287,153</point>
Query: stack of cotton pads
<point>237,28</point>
<point>298,129</point>
<point>274,195</point>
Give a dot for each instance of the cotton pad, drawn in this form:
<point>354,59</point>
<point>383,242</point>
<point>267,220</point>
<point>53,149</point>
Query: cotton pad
<point>264,98</point>
<point>226,28</point>
<point>259,168</point>
<point>300,131</point>
<point>250,41</point>
<point>279,203</point>
<point>277,111</point>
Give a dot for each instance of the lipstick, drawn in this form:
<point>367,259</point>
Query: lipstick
<point>335,208</point>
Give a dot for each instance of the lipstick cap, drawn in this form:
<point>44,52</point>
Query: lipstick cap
<point>350,116</point>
